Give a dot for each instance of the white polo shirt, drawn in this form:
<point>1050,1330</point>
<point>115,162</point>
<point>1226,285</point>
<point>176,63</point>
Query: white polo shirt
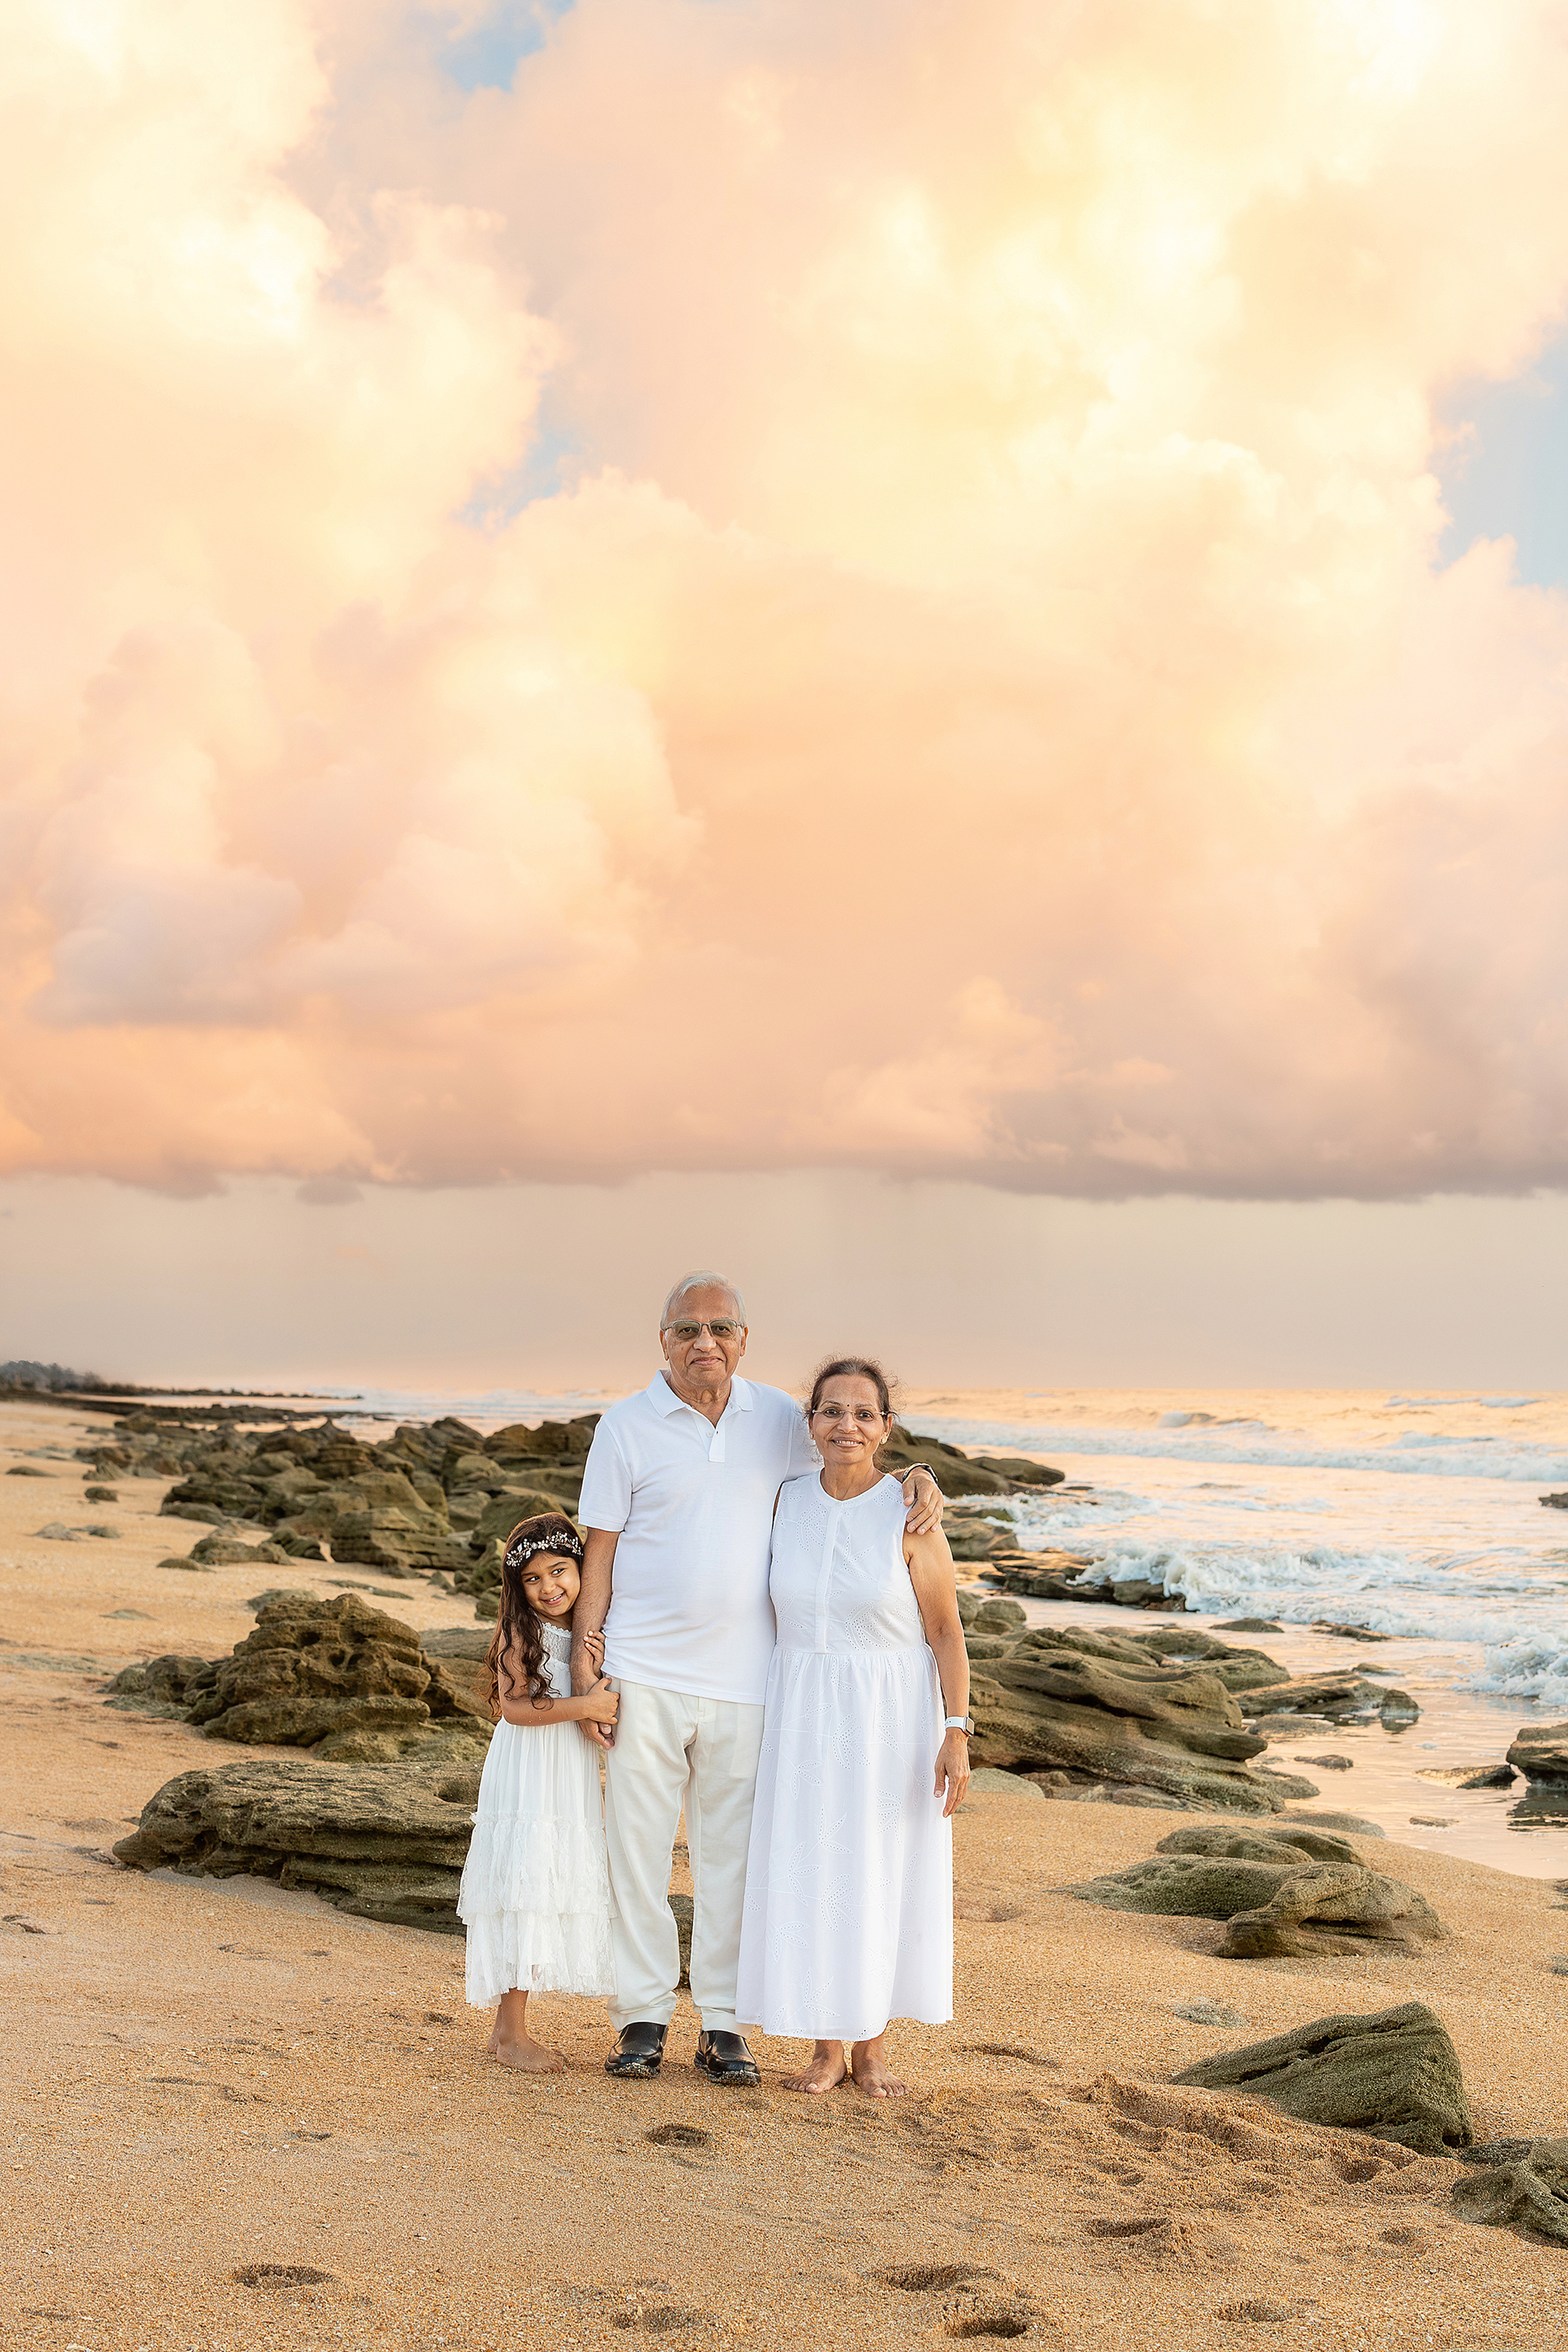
<point>693,1505</point>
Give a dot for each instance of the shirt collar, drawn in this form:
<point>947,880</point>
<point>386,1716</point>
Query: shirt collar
<point>663,1400</point>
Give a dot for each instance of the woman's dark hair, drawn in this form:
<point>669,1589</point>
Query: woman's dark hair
<point>866,1368</point>
<point>519,1631</point>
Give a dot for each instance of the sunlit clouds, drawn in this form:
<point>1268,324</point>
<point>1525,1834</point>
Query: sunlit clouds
<point>801,588</point>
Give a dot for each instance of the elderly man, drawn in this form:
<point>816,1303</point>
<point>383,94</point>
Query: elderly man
<point>676,1510</point>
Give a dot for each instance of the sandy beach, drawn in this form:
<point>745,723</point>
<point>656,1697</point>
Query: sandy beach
<point>209,2079</point>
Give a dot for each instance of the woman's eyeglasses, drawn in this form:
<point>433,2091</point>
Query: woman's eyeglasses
<point>722,1329</point>
<point>866,1412</point>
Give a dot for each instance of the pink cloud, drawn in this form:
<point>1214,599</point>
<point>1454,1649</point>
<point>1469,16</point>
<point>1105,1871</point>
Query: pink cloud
<point>982,704</point>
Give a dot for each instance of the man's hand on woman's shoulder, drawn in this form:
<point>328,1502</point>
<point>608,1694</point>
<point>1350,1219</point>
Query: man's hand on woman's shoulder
<point>922,1502</point>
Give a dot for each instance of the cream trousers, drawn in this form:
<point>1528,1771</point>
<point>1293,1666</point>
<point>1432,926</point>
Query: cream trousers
<point>671,1749</point>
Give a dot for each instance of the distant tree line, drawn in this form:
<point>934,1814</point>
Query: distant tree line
<point>49,1376</point>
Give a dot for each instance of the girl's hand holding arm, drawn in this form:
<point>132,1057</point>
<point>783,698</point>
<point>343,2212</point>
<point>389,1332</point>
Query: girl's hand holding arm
<point>935,1586</point>
<point>599,1705</point>
<point>594,1644</point>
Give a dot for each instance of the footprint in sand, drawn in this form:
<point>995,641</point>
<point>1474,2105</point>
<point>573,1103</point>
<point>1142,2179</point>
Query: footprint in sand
<point>661,2318</point>
<point>278,2277</point>
<point>924,2278</point>
<point>678,2135</point>
<point>971,2320</point>
<point>1015,2050</point>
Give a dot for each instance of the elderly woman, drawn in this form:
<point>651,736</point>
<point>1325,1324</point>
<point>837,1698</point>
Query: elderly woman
<point>849,1883</point>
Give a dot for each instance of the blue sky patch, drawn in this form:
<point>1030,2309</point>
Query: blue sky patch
<point>487,55</point>
<point>1509,474</point>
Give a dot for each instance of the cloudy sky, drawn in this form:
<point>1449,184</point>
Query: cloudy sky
<point>921,646</point>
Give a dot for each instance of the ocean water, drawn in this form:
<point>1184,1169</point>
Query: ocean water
<point>1415,1516</point>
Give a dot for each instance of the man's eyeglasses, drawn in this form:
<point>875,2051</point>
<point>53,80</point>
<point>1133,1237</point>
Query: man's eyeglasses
<point>722,1329</point>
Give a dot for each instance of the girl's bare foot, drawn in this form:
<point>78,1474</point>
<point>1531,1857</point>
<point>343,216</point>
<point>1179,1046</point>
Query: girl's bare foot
<point>511,2043</point>
<point>869,2072</point>
<point>530,2057</point>
<point>825,2073</point>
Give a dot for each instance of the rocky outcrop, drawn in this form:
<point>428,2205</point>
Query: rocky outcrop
<point>158,1687</point>
<point>990,1613</point>
<point>1527,2191</point>
<point>1332,1907</point>
<point>1334,1697</point>
<point>383,1842</point>
<point>1162,1648</point>
<point>958,1472</point>
<point>431,1498</point>
<point>312,1668</point>
<point>1058,1575</point>
<point>1188,1886</point>
<point>972,1538</point>
<point>1286,1841</point>
<point>1539,1751</point>
<point>1470,1776</point>
<point>1291,1894</point>
<point>335,1676</point>
<point>1150,1718</point>
<point>1108,1709</point>
<point>1395,2074</point>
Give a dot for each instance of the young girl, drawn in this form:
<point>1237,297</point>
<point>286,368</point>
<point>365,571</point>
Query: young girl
<point>535,1896</point>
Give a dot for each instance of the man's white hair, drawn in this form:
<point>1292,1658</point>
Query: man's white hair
<point>703,1279</point>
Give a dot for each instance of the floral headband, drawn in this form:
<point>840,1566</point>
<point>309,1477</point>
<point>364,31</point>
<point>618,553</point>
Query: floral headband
<point>563,1537</point>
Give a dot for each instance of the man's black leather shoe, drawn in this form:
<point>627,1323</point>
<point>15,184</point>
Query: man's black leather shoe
<point>638,2053</point>
<point>725,2058</point>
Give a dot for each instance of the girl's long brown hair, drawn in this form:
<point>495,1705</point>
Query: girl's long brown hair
<point>519,1631</point>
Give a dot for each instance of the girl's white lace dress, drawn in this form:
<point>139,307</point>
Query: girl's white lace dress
<point>849,1881</point>
<point>535,1896</point>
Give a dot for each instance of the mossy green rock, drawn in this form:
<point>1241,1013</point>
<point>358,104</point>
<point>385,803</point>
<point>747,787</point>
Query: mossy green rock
<point>1106,1709</point>
<point>1187,1886</point>
<point>1530,2194</point>
<point>315,1667</point>
<point>1394,2073</point>
<point>383,1840</point>
<point>1281,1906</point>
<point>1281,1842</point>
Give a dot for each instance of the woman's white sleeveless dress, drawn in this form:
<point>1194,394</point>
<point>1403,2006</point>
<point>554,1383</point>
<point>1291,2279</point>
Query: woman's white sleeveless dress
<point>535,1896</point>
<point>849,1881</point>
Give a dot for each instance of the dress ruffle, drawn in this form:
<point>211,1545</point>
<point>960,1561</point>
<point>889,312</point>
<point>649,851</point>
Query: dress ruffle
<point>537,1951</point>
<point>521,1864</point>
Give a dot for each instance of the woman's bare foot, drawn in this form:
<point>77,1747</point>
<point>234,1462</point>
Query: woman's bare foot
<point>530,2057</point>
<point>825,2073</point>
<point>869,2072</point>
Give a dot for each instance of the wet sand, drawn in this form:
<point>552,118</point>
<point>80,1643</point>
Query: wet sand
<point>205,2076</point>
